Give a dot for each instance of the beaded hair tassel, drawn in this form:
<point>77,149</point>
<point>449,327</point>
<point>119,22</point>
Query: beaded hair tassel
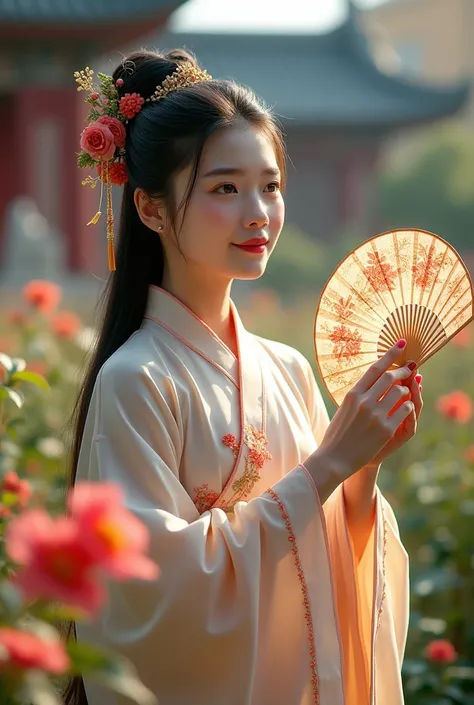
<point>103,139</point>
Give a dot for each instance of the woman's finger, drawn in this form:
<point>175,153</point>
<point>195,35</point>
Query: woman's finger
<point>401,414</point>
<point>378,368</point>
<point>416,397</point>
<point>389,378</point>
<point>393,397</point>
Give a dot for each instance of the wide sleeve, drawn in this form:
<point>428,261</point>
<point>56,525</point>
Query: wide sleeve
<point>230,603</point>
<point>372,595</point>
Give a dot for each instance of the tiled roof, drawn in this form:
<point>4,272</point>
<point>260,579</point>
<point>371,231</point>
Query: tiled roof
<point>325,80</point>
<point>84,11</point>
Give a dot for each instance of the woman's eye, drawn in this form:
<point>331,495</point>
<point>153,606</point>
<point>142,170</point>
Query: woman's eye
<point>274,187</point>
<point>226,189</point>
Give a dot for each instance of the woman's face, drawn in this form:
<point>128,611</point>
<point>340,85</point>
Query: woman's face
<point>236,211</point>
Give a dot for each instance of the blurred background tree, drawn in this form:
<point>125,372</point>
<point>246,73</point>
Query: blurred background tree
<point>434,188</point>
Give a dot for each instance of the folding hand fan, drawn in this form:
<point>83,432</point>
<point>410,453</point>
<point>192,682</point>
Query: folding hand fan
<point>407,284</point>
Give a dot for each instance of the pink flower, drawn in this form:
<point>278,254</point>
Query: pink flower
<point>114,537</point>
<point>54,561</point>
<point>441,651</point>
<point>21,488</point>
<point>456,406</point>
<point>66,324</point>
<point>98,141</point>
<point>130,105</point>
<point>117,173</point>
<point>25,650</point>
<point>119,82</point>
<point>116,127</point>
<point>42,295</point>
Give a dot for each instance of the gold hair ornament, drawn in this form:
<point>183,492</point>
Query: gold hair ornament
<point>103,139</point>
<point>183,76</point>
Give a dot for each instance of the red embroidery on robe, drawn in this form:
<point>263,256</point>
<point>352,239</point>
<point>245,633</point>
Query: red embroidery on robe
<point>257,455</point>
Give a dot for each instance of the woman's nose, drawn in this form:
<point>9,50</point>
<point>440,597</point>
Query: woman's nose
<point>256,217</point>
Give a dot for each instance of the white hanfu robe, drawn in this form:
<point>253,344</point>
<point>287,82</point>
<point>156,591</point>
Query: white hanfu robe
<point>260,600</point>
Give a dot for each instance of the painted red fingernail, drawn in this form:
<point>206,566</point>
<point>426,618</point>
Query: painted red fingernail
<point>411,365</point>
<point>401,343</point>
<point>418,378</point>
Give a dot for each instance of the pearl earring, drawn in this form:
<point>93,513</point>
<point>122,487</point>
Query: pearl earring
<point>160,227</point>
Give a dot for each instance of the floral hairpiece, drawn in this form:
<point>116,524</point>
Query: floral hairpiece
<point>103,140</point>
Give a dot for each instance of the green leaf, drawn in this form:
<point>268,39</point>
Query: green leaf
<point>6,362</point>
<point>9,499</point>
<point>32,378</point>
<point>52,612</point>
<point>455,693</point>
<point>461,672</point>
<point>435,580</point>
<point>86,658</point>
<point>10,599</point>
<point>412,667</point>
<point>110,671</point>
<point>13,395</point>
<point>39,689</point>
<point>85,160</point>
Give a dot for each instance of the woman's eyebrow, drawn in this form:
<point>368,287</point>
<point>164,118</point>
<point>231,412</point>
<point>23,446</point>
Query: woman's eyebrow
<point>233,171</point>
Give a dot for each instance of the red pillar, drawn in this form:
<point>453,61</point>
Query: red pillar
<point>48,124</point>
<point>10,163</point>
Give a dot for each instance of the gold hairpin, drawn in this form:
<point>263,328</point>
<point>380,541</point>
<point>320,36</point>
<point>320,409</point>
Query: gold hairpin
<point>183,76</point>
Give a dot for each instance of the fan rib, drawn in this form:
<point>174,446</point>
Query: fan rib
<point>442,290</point>
<point>395,236</point>
<point>413,268</point>
<point>432,288</point>
<point>355,319</point>
<point>459,313</point>
<point>347,284</point>
<point>375,251</point>
<point>456,301</point>
<point>361,267</point>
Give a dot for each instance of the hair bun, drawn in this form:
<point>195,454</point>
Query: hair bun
<point>142,71</point>
<point>181,56</point>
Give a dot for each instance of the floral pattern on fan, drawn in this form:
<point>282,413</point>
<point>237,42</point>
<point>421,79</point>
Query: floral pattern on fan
<point>401,284</point>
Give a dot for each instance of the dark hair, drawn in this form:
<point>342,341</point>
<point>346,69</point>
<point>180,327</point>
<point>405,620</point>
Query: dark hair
<point>162,139</point>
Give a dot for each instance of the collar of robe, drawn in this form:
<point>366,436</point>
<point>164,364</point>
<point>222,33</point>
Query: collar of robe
<point>172,315</point>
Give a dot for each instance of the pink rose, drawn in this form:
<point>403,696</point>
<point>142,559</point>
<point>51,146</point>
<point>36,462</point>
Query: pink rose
<point>116,127</point>
<point>98,141</point>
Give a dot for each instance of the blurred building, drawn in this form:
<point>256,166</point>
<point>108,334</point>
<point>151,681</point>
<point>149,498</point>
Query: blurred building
<point>337,106</point>
<point>42,43</point>
<point>430,40</point>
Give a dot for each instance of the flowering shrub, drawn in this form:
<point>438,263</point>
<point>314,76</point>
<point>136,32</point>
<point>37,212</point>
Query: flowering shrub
<point>55,558</point>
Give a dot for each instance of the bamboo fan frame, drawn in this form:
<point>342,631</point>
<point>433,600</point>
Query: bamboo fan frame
<point>405,283</point>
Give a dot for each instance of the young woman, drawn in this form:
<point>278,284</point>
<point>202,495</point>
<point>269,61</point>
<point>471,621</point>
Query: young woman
<point>283,579</point>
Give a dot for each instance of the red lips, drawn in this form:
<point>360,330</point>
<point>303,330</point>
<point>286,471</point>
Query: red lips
<point>254,242</point>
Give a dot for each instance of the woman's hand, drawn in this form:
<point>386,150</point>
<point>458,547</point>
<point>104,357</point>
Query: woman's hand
<point>375,418</point>
<point>407,428</point>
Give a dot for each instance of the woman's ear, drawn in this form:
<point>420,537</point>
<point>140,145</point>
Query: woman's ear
<point>149,210</point>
